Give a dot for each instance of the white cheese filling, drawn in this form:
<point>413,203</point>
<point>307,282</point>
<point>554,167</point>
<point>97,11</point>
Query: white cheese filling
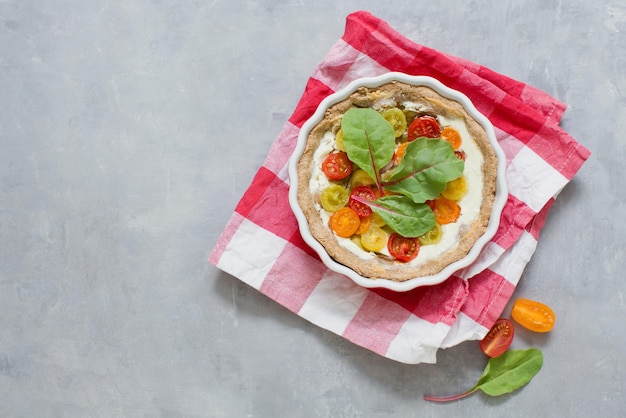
<point>470,203</point>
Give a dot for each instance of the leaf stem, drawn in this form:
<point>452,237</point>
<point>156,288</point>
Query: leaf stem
<point>449,398</point>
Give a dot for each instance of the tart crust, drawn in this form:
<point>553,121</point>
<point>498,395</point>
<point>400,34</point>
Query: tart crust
<point>430,102</point>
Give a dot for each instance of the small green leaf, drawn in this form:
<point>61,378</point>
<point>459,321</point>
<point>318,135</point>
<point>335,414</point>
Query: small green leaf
<point>510,371</point>
<point>428,165</point>
<point>369,140</point>
<point>503,374</point>
<point>404,216</point>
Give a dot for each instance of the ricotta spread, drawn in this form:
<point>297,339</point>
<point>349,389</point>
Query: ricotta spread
<point>470,204</point>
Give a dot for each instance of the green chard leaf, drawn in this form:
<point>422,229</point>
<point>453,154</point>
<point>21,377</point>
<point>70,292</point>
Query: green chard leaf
<point>510,371</point>
<point>428,165</point>
<point>404,216</point>
<point>369,140</point>
<point>503,374</point>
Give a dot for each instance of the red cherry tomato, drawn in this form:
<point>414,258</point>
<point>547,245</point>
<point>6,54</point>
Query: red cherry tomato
<point>365,193</point>
<point>402,248</point>
<point>533,315</point>
<point>337,166</point>
<point>499,338</point>
<point>424,126</point>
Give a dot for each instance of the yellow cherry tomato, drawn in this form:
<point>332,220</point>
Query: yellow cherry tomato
<point>339,141</point>
<point>431,237</point>
<point>360,178</point>
<point>455,189</point>
<point>396,119</point>
<point>374,239</point>
<point>334,197</point>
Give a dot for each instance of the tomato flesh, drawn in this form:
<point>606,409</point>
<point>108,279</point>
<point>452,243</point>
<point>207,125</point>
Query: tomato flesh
<point>424,126</point>
<point>374,239</point>
<point>337,166</point>
<point>402,248</point>
<point>365,193</point>
<point>446,211</point>
<point>344,222</point>
<point>499,338</point>
<point>452,136</point>
<point>533,315</point>
<point>396,119</point>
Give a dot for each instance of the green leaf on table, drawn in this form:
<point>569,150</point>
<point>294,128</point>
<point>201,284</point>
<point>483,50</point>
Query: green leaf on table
<point>428,165</point>
<point>510,371</point>
<point>503,374</point>
<point>369,140</point>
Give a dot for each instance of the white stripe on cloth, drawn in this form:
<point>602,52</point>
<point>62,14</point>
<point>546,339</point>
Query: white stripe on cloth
<point>242,258</point>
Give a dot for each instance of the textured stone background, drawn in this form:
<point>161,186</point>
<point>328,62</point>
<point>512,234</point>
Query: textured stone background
<point>130,129</point>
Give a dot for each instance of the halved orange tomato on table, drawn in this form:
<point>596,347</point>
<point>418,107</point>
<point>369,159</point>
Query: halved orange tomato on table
<point>533,315</point>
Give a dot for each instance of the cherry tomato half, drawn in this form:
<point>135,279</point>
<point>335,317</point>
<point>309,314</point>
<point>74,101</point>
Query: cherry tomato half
<point>452,136</point>
<point>446,211</point>
<point>337,166</point>
<point>423,126</point>
<point>365,193</point>
<point>402,248</point>
<point>533,315</point>
<point>499,338</point>
<point>344,222</point>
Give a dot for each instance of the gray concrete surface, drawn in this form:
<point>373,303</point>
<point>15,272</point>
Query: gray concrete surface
<point>130,129</point>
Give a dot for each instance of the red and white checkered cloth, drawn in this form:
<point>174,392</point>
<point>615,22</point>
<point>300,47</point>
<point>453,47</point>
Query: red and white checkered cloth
<point>262,247</point>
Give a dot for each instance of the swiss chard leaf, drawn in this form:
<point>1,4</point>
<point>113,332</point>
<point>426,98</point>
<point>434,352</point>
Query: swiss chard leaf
<point>510,371</point>
<point>503,374</point>
<point>426,168</point>
<point>369,140</point>
<point>404,216</point>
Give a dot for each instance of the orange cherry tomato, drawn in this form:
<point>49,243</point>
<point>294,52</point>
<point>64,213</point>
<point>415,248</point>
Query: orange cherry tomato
<point>446,211</point>
<point>365,223</point>
<point>400,151</point>
<point>499,338</point>
<point>452,136</point>
<point>402,248</point>
<point>337,166</point>
<point>344,222</point>
<point>423,126</point>
<point>533,315</point>
<point>365,193</point>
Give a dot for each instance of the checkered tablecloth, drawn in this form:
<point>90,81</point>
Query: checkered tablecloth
<point>262,247</point>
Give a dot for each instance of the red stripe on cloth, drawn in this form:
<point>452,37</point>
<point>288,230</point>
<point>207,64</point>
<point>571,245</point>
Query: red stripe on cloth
<point>438,303</point>
<point>488,296</point>
<point>512,116</point>
<point>296,240</point>
<point>535,226</point>
<point>537,99</point>
<point>515,216</point>
<point>376,323</point>
<point>261,181</point>
<point>314,92</point>
<point>293,278</point>
<point>559,149</point>
<point>266,203</point>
